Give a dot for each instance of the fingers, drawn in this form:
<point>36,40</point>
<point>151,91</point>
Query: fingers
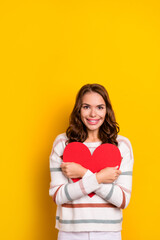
<point>116,167</point>
<point>118,172</point>
<point>64,164</point>
<point>63,167</point>
<point>67,169</point>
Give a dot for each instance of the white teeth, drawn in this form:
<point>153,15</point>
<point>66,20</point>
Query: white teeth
<point>94,121</point>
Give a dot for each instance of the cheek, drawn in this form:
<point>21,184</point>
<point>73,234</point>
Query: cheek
<point>83,114</point>
<point>82,117</point>
<point>102,115</point>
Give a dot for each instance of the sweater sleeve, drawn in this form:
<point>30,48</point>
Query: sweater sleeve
<point>62,189</point>
<point>119,192</point>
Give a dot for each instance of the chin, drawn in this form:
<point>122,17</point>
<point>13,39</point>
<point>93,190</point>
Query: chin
<point>93,128</point>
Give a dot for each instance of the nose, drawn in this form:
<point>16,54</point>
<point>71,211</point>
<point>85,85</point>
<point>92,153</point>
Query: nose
<point>92,112</point>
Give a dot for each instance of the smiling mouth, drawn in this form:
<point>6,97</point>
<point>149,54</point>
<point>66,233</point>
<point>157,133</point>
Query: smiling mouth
<point>93,121</point>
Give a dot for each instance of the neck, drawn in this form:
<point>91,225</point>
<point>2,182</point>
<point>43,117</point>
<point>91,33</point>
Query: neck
<point>92,136</point>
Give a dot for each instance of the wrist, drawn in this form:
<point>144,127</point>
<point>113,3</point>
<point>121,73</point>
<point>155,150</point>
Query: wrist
<point>84,170</point>
<point>99,178</point>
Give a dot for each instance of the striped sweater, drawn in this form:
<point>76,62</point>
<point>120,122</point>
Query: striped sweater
<point>76,211</point>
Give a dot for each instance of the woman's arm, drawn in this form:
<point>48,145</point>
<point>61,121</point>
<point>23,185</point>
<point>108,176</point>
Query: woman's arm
<point>61,190</point>
<point>73,170</point>
<point>119,191</point>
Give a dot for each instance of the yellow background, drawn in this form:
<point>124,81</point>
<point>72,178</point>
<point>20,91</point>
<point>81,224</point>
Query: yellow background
<point>49,49</point>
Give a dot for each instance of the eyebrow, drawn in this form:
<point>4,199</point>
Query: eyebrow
<point>89,105</point>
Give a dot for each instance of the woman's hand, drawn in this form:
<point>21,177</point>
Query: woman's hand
<point>108,175</point>
<point>73,170</point>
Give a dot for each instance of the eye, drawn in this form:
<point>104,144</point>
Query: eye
<point>86,107</point>
<point>100,107</point>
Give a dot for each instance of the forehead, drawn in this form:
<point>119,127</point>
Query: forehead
<point>93,98</point>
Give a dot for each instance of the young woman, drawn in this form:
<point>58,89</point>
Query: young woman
<point>78,216</point>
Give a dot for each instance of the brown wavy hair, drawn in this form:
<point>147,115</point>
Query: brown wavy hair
<point>77,132</point>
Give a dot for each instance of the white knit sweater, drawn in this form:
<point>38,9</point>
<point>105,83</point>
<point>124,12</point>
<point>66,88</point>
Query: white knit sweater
<point>76,211</point>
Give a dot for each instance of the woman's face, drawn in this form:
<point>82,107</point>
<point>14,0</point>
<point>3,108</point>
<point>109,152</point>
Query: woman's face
<point>93,111</point>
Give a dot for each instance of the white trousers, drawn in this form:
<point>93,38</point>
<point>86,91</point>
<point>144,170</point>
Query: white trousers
<point>89,235</point>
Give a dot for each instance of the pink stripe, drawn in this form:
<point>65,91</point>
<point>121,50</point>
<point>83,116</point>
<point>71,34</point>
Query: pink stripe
<point>82,187</point>
<point>53,186</point>
<point>54,196</point>
<point>123,199</point>
<point>125,189</point>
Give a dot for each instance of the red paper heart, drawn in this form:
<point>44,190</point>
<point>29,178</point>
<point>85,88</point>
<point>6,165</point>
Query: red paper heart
<point>105,155</point>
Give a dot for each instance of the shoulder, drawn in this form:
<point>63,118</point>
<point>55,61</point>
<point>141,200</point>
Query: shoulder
<point>59,143</point>
<point>60,138</point>
<point>123,141</point>
<point>124,145</point>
